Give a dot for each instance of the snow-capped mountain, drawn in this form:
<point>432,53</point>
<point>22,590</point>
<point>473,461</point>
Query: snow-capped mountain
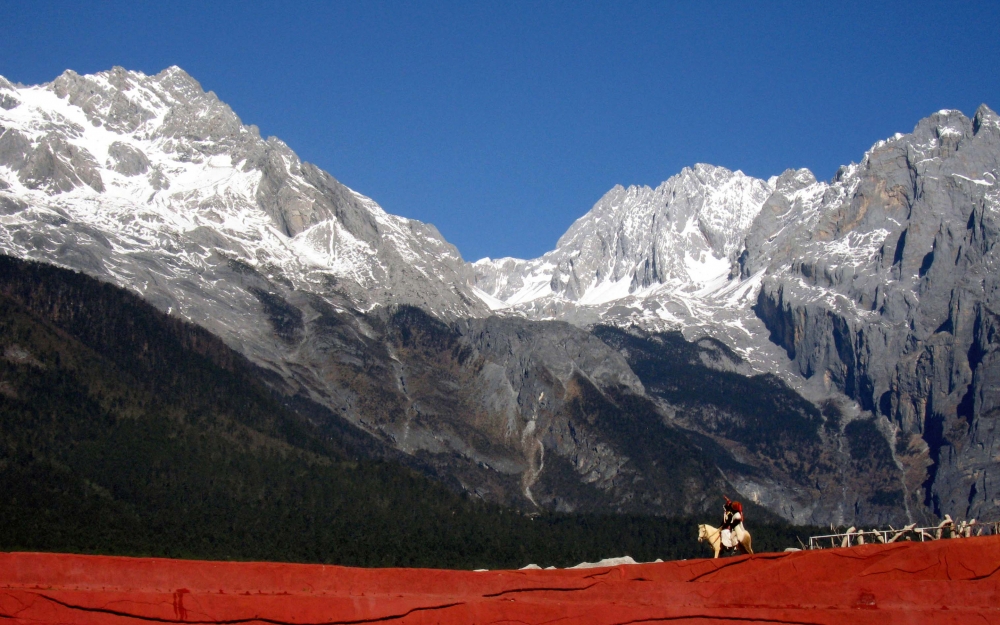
<point>153,184</point>
<point>659,259</point>
<point>683,235</point>
<point>150,183</point>
<point>874,295</point>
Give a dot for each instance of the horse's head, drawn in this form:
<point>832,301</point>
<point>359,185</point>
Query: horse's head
<point>701,533</point>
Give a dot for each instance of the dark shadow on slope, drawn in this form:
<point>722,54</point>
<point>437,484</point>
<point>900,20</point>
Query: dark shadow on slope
<point>760,412</point>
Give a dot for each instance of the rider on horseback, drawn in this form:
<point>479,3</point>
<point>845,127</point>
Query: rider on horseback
<point>732,523</point>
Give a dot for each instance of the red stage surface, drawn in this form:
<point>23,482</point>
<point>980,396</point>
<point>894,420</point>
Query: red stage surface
<point>940,582</point>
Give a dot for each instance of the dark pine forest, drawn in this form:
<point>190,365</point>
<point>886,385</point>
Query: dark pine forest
<point>126,431</point>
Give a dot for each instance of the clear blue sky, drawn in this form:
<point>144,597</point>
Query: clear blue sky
<point>502,122</point>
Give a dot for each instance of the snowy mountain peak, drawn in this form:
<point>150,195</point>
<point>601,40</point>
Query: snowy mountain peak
<point>152,183</point>
<point>682,237</point>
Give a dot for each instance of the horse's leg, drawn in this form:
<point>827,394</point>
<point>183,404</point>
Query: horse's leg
<point>746,545</point>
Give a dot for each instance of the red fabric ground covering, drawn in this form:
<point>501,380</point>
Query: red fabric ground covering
<point>947,581</point>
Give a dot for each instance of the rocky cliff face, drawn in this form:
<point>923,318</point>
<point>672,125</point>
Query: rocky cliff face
<point>879,286</point>
<point>883,284</point>
<point>869,300</point>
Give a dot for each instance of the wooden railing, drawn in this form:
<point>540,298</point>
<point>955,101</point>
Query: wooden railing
<point>945,529</point>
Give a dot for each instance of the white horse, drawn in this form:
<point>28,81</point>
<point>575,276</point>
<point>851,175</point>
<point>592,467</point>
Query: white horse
<point>714,537</point>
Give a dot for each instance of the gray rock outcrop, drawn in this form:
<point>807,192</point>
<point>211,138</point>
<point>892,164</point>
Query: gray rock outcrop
<point>127,160</point>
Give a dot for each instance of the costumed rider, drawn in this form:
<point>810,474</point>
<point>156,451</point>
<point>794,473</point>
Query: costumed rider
<point>732,524</point>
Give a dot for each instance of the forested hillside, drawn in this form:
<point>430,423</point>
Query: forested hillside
<point>125,431</point>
